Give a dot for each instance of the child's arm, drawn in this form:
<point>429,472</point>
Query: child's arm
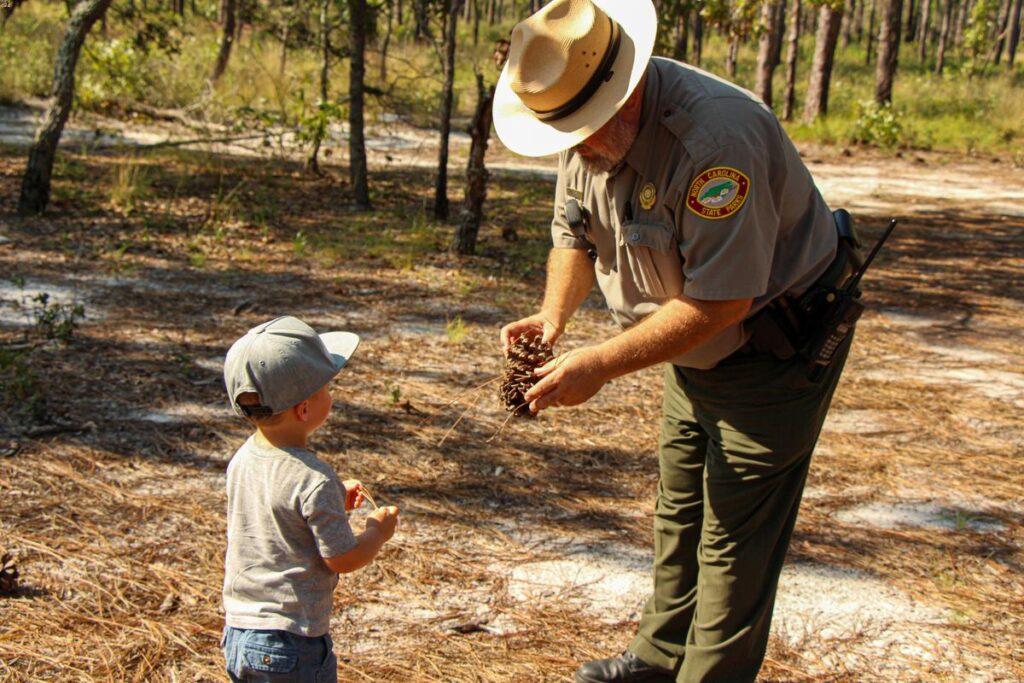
<point>379,528</point>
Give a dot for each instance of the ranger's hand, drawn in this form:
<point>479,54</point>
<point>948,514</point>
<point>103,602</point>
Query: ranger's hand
<point>568,380</point>
<point>538,324</point>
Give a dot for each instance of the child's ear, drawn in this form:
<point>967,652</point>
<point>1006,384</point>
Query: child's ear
<point>302,411</point>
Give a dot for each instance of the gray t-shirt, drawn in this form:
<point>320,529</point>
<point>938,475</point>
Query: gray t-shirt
<point>712,201</point>
<point>286,512</point>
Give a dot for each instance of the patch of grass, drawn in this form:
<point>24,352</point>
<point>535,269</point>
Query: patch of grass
<point>129,186</point>
<point>455,330</point>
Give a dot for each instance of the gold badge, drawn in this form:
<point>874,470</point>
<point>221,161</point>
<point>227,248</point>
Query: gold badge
<point>648,196</point>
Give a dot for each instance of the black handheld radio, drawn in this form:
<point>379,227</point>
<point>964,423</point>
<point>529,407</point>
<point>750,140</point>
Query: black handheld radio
<point>841,309</point>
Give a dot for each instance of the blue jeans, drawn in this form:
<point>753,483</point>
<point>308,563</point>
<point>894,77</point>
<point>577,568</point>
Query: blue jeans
<point>256,656</point>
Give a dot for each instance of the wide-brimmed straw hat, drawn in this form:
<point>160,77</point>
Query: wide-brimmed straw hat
<point>571,66</point>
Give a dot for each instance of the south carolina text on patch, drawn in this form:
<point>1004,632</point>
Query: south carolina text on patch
<point>718,192</point>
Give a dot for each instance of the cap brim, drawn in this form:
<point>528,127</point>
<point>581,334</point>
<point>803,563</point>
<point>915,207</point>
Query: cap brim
<point>523,133</point>
<point>341,346</point>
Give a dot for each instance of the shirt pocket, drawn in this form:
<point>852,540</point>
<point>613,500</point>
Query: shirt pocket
<point>653,258</point>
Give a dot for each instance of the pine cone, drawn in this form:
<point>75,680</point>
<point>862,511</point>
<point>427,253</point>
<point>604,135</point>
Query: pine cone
<point>8,574</point>
<point>526,355</point>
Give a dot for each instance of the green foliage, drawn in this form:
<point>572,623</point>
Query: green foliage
<point>877,125</point>
<point>313,129</point>
<point>980,25</point>
<point>21,393</point>
<point>394,393</point>
<point>28,43</point>
<point>113,72</point>
<point>455,330</point>
<point>300,243</point>
<point>53,320</point>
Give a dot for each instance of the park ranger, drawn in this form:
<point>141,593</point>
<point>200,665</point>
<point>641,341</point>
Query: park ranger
<point>683,198</point>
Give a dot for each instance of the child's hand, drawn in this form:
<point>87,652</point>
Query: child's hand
<point>353,494</point>
<point>384,521</point>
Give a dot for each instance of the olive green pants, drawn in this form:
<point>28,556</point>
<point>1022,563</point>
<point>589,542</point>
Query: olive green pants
<point>735,445</point>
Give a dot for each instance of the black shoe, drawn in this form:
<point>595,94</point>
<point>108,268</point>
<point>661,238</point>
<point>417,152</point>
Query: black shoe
<point>626,668</point>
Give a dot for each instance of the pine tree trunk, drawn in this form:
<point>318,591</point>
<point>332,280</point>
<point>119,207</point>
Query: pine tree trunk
<point>441,210</point>
<point>846,30</point>
<point>1011,52</point>
<point>682,39</point>
<point>1001,30</point>
<point>888,50</point>
<point>947,23</point>
<point>422,30</point>
<point>227,10</point>
<point>792,51</point>
<point>858,21</point>
<point>821,69</point>
<point>731,56</point>
<point>698,38</point>
<point>476,22</point>
<point>313,162</point>
<point>35,184</point>
<point>923,30</point>
<point>283,60</point>
<point>477,174</point>
<point>911,27</point>
<point>961,23</point>
<point>780,32</point>
<point>766,52</point>
<point>386,43</point>
<point>358,167</point>
<point>870,50</point>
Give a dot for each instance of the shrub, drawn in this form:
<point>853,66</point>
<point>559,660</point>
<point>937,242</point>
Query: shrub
<point>877,125</point>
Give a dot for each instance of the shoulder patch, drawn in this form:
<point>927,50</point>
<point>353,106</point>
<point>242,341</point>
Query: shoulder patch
<point>718,193</point>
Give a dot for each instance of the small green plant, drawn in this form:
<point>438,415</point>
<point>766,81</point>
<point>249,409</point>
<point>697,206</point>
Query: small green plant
<point>877,125</point>
<point>20,391</point>
<point>394,394</point>
<point>300,243</point>
<point>56,321</point>
<point>129,186</point>
<point>456,330</point>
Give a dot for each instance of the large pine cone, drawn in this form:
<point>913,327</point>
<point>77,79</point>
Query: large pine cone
<point>526,355</point>
<point>8,574</point>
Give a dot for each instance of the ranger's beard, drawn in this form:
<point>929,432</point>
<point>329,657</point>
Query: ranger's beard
<point>606,149</point>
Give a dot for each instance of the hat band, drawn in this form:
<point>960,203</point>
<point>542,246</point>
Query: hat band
<point>256,411</point>
<point>601,74</point>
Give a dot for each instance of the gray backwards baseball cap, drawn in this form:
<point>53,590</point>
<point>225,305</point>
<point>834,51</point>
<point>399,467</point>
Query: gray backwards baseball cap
<point>284,362</point>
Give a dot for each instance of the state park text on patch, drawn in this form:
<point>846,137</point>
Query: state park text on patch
<point>718,192</point>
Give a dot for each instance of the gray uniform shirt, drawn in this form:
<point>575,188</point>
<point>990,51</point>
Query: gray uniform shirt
<point>286,512</point>
<point>712,201</point>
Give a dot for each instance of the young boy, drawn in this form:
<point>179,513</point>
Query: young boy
<point>288,535</point>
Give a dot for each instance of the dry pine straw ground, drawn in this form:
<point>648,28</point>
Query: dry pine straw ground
<point>119,528</point>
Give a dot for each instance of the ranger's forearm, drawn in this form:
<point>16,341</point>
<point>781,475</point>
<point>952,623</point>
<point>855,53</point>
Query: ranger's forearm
<point>570,279</point>
<point>680,325</point>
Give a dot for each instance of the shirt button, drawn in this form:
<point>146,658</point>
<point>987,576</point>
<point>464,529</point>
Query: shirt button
<point>266,659</point>
<point>635,237</point>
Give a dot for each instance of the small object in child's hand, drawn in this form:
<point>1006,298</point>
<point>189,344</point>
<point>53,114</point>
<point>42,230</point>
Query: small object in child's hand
<point>368,497</point>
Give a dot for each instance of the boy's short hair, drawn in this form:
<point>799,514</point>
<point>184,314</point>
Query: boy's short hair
<point>282,362</point>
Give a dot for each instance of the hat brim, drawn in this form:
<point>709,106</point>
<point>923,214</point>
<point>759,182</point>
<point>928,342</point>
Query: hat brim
<point>341,346</point>
<point>521,131</point>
